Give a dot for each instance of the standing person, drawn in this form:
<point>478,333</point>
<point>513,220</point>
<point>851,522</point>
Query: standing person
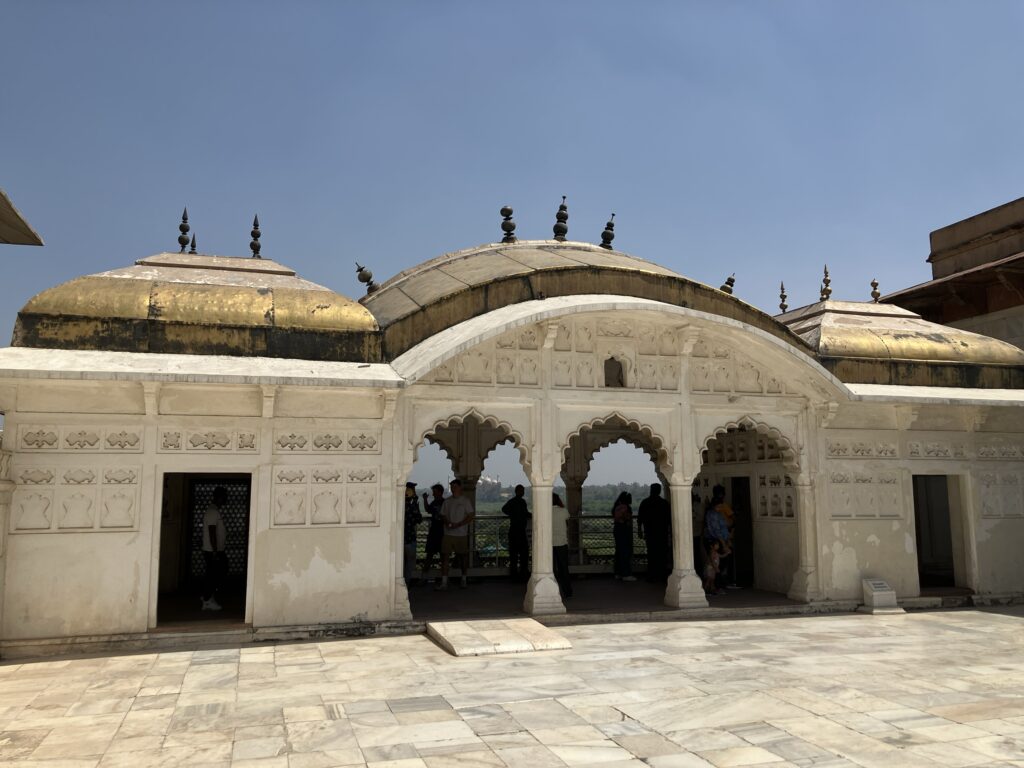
<point>716,529</point>
<point>518,547</point>
<point>622,530</point>
<point>215,559</point>
<point>560,545</point>
<point>653,523</point>
<point>413,518</point>
<point>457,513</point>
<point>697,529</point>
<point>435,533</point>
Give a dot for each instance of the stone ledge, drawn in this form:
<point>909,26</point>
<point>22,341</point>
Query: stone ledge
<point>485,638</point>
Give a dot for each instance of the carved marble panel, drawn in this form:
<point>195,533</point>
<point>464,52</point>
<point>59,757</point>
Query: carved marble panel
<point>333,495</point>
<point>32,510</point>
<point>775,498</point>
<point>290,505</point>
<point>118,508</point>
<point>127,440</point>
<point>327,506</point>
<point>39,438</point>
<point>1001,494</point>
<point>859,491</point>
<point>362,506</point>
<point>76,510</point>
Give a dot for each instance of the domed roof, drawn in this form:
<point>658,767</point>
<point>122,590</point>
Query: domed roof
<point>424,300</point>
<point>870,343</point>
<point>200,304</point>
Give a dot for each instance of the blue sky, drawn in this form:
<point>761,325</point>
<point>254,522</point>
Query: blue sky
<point>758,138</point>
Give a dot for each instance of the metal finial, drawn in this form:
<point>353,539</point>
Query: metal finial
<point>183,228</point>
<point>609,233</point>
<point>727,286</point>
<point>826,281</point>
<point>254,245</point>
<point>507,225</point>
<point>561,229</point>
<point>875,295</point>
<point>192,248</point>
<point>782,297</point>
<point>365,277</point>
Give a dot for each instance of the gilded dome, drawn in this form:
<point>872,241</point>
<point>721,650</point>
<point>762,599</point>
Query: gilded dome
<point>870,343</point>
<point>200,304</point>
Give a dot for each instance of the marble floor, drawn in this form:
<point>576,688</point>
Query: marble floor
<point>919,689</point>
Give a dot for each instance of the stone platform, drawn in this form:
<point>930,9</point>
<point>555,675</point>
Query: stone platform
<point>486,638</point>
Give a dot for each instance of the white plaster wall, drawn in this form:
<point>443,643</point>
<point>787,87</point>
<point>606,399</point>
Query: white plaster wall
<point>852,550</point>
<point>1000,556</point>
<point>317,577</point>
<point>74,584</point>
<point>776,555</point>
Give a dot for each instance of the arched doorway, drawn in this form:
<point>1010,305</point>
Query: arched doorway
<point>755,468</point>
<point>486,457</point>
<point>640,459</point>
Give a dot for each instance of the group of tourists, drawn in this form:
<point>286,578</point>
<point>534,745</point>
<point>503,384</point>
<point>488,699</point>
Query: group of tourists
<point>447,535</point>
<point>450,518</point>
<point>653,525</point>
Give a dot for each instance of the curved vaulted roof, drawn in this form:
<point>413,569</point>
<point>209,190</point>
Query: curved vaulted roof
<point>201,305</point>
<point>422,301</point>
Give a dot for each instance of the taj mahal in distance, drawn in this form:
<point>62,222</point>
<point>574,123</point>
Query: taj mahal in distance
<point>867,442</point>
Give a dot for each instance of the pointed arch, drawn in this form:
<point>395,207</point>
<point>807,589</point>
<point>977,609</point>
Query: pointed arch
<point>633,431</point>
<point>457,420</point>
<point>787,451</point>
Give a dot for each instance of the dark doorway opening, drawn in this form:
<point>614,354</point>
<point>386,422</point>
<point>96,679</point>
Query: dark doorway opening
<point>186,497</point>
<point>933,523</point>
<point>743,530</point>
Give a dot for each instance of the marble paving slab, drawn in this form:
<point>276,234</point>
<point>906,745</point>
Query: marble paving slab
<point>489,637</point>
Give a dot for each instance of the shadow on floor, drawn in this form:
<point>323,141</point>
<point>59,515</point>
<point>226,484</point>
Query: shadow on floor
<point>498,598</point>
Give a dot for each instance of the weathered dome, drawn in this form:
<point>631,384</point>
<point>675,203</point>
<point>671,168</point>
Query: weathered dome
<point>202,305</point>
<point>871,343</point>
<point>424,300</point>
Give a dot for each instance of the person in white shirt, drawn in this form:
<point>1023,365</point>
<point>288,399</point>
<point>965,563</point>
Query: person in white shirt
<point>215,536</point>
<point>560,545</point>
<point>457,513</point>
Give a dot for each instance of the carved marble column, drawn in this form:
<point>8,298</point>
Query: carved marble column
<point>806,584</point>
<point>805,580</point>
<point>542,595</point>
<point>684,588</point>
<point>402,609</point>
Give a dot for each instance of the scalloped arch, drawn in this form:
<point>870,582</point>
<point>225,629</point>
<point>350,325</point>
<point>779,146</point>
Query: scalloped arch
<point>653,445</point>
<point>789,453</point>
<point>491,421</point>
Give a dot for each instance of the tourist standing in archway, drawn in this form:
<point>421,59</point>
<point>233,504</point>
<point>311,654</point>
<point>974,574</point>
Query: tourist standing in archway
<point>457,512</point>
<point>560,545</point>
<point>518,546</point>
<point>653,521</point>
<point>622,530</point>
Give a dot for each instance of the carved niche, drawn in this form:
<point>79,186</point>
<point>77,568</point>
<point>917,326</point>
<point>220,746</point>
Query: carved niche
<point>864,492</point>
<point>325,496</point>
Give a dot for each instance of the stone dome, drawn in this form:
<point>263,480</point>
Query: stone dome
<point>202,305</point>
<point>416,304</point>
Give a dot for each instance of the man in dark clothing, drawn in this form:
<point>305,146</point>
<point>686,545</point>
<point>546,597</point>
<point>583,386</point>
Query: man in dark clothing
<point>518,546</point>
<point>653,523</point>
